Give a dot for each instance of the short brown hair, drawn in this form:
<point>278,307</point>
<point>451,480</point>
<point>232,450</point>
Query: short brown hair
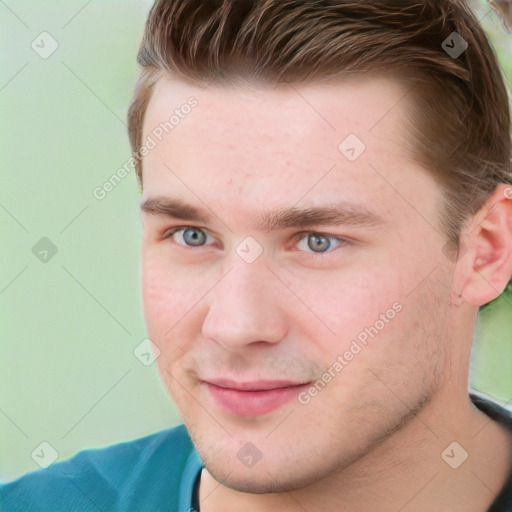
<point>460,118</point>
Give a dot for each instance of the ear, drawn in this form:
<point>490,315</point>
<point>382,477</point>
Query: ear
<point>486,267</point>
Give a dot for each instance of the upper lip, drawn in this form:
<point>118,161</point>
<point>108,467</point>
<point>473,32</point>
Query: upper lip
<point>255,385</point>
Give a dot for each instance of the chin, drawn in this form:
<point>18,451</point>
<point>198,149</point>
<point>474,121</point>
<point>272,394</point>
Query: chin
<point>261,481</point>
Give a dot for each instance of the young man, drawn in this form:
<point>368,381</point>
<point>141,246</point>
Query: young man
<point>326,206</point>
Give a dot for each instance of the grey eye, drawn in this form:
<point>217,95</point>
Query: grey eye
<point>193,236</point>
<point>318,242</point>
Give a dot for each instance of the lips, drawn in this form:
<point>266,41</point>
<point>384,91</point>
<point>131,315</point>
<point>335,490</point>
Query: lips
<point>257,385</point>
<point>253,398</point>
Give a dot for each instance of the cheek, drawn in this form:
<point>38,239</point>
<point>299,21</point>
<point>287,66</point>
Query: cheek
<point>352,299</point>
<point>168,297</point>
<point>171,294</point>
<point>166,294</point>
<point>157,295</point>
<point>372,316</point>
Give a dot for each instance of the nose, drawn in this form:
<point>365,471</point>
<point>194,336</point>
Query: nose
<point>246,307</point>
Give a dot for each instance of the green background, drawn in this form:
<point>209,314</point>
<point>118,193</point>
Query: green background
<point>68,374</point>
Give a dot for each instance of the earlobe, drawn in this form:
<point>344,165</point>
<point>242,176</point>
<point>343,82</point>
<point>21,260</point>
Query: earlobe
<point>488,262</point>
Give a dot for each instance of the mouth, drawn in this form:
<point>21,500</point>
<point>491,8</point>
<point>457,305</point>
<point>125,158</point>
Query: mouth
<point>254,398</point>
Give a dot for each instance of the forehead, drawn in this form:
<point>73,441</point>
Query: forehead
<point>279,145</point>
<point>335,106</point>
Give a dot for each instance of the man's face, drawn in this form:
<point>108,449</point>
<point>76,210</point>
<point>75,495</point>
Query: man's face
<point>235,301</point>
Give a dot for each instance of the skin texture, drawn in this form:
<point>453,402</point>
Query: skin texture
<point>373,437</point>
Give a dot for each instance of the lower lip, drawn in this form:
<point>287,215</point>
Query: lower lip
<point>253,403</point>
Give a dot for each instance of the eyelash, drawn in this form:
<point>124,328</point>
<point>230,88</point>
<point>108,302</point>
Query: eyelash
<point>318,255</point>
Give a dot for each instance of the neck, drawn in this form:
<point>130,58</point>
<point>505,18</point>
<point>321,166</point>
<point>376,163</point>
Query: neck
<point>417,468</point>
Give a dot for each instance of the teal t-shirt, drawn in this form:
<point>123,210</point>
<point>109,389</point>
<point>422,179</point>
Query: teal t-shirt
<point>157,473</point>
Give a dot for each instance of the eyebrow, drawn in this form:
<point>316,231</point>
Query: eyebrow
<point>281,218</point>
